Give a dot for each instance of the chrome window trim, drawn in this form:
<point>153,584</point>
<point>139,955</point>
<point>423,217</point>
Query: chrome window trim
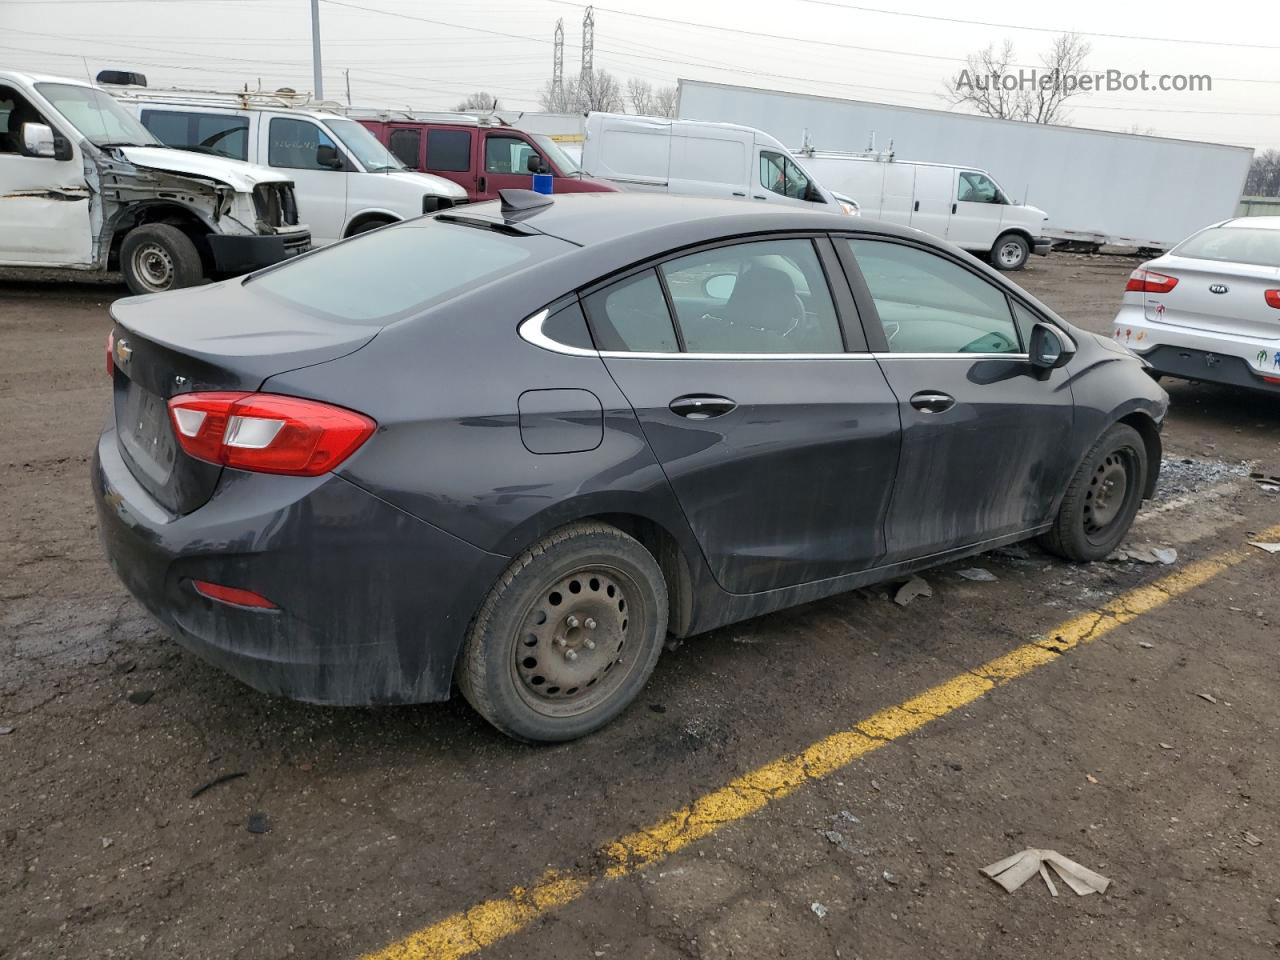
<point>530,331</point>
<point>951,356</point>
<point>628,355</point>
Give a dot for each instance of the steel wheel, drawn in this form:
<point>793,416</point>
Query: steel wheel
<point>1010,254</point>
<point>1108,490</point>
<point>153,266</point>
<point>572,649</point>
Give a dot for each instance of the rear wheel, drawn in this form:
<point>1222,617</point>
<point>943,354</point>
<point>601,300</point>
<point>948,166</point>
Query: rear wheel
<point>1102,498</point>
<point>568,635</point>
<point>1010,252</point>
<point>157,257</point>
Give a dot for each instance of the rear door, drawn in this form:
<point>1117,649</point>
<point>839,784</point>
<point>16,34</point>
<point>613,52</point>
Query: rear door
<point>780,445</point>
<point>983,437</point>
<point>453,153</point>
<point>979,210</point>
<point>709,162</point>
<point>931,207</point>
<point>405,141</point>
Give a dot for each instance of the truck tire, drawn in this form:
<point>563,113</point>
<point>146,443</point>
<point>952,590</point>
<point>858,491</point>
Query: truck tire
<point>368,225</point>
<point>1010,252</point>
<point>568,635</point>
<point>1102,498</point>
<point>157,257</point>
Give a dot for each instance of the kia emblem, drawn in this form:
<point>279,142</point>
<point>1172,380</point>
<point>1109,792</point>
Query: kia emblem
<point>1218,288</point>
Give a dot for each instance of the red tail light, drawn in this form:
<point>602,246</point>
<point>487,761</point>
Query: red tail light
<point>1273,298</point>
<point>233,595</point>
<point>111,354</point>
<point>267,433</point>
<point>1148,281</point>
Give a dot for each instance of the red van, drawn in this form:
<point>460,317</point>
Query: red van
<point>480,158</point>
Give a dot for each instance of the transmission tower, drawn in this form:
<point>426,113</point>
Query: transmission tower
<point>557,66</point>
<point>588,45</point>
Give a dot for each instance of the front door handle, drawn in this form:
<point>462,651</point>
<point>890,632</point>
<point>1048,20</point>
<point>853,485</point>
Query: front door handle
<point>701,406</point>
<point>916,208</point>
<point>931,401</point>
<point>953,208</point>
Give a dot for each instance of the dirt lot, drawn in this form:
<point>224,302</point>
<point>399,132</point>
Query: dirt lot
<point>381,822</point>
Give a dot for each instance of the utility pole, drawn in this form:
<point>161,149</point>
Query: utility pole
<point>588,47</point>
<point>315,50</point>
<point>557,64</point>
<point>347,73</point>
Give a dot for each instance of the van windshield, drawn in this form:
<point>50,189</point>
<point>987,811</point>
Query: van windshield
<point>373,156</point>
<point>385,275</point>
<point>563,162</point>
<point>97,116</point>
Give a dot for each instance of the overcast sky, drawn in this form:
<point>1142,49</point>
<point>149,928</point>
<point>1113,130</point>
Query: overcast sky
<point>396,57</point>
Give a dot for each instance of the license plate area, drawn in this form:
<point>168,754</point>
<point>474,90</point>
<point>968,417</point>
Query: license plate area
<point>142,424</point>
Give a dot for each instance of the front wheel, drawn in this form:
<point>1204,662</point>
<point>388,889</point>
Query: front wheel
<point>1010,252</point>
<point>568,635</point>
<point>1102,498</point>
<point>157,257</point>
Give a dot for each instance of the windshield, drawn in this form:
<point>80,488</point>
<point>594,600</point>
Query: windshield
<point>1253,245</point>
<point>561,160</point>
<point>97,116</point>
<point>373,156</point>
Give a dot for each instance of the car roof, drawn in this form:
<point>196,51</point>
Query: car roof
<point>1253,223</point>
<point>34,78</point>
<point>591,219</point>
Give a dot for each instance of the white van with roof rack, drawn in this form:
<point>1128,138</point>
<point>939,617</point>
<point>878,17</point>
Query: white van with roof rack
<point>84,187</point>
<point>347,182</point>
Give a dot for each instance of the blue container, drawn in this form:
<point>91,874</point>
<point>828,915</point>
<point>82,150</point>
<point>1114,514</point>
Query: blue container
<point>543,183</point>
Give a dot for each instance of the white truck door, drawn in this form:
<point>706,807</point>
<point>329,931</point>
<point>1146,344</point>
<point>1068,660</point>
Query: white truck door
<point>897,193</point>
<point>44,203</point>
<point>975,223</point>
<point>296,145</point>
<point>931,206</point>
<point>779,179</point>
<point>709,162</point>
<point>632,152</point>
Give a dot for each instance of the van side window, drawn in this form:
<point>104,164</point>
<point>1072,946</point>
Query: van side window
<point>927,304</point>
<point>206,132</point>
<point>449,150</point>
<point>506,155</point>
<point>404,143</point>
<point>779,174</point>
<point>296,143</point>
<point>765,297</point>
<point>631,315</point>
<point>14,112</point>
<point>978,188</point>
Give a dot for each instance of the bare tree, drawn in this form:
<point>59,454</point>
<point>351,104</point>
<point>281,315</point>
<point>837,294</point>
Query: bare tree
<point>987,85</point>
<point>664,101</point>
<point>478,101</point>
<point>563,99</point>
<point>1264,175</point>
<point>640,93</point>
<point>600,91</point>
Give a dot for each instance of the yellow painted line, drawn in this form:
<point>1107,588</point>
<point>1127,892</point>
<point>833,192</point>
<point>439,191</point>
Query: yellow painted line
<point>469,931</point>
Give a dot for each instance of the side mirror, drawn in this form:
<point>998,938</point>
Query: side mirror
<point>1049,348</point>
<point>720,287</point>
<point>813,194</point>
<point>327,156</point>
<point>37,140</point>
<point>535,164</point>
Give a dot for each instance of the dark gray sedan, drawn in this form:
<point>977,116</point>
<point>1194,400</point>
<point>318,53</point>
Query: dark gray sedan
<point>516,446</point>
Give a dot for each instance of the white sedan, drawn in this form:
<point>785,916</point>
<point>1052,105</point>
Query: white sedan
<point>1209,309</point>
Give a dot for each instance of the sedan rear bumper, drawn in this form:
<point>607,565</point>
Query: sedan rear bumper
<point>372,604</point>
<point>1200,354</point>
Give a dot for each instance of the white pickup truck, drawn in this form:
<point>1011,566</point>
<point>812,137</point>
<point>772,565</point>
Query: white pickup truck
<point>84,186</point>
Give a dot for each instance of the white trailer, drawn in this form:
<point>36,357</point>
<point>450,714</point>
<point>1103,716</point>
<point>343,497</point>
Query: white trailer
<point>1097,187</point>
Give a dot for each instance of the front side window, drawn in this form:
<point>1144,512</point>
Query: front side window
<point>97,115</point>
<point>632,316</point>
<point>404,143</point>
<point>364,146</point>
<point>928,304</point>
<point>449,151</point>
<point>297,144</point>
<point>506,155</point>
<point>976,187</point>
<point>14,112</point>
<point>226,136</point>
<point>780,174</point>
<point>764,297</point>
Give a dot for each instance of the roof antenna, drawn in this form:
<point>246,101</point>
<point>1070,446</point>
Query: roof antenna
<point>522,204</point>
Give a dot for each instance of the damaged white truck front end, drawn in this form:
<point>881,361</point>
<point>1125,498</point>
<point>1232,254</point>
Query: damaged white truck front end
<point>83,186</point>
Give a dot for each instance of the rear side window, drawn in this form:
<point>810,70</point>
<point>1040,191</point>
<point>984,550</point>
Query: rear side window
<point>927,304</point>
<point>385,275</point>
<point>765,297</point>
<point>404,143</point>
<point>296,144</point>
<point>1234,244</point>
<point>632,316</point>
<point>449,150</point>
<point>204,132</point>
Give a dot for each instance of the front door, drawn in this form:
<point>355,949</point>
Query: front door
<point>292,144</point>
<point>979,208</point>
<point>506,164</point>
<point>44,203</point>
<point>780,446</point>
<point>983,437</point>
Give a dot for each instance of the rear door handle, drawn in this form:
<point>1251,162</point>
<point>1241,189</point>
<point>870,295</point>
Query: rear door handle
<point>739,193</point>
<point>701,406</point>
<point>916,208</point>
<point>931,401</point>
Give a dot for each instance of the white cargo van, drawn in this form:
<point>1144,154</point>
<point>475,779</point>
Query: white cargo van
<point>962,204</point>
<point>347,182</point>
<point>698,159</point>
<point>83,186</point>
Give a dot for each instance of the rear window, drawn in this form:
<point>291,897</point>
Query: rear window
<point>385,275</point>
<point>1242,244</point>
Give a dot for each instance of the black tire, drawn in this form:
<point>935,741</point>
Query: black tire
<point>367,226</point>
<point>568,636</point>
<point>1102,498</point>
<point>157,257</point>
<point>1010,252</point>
